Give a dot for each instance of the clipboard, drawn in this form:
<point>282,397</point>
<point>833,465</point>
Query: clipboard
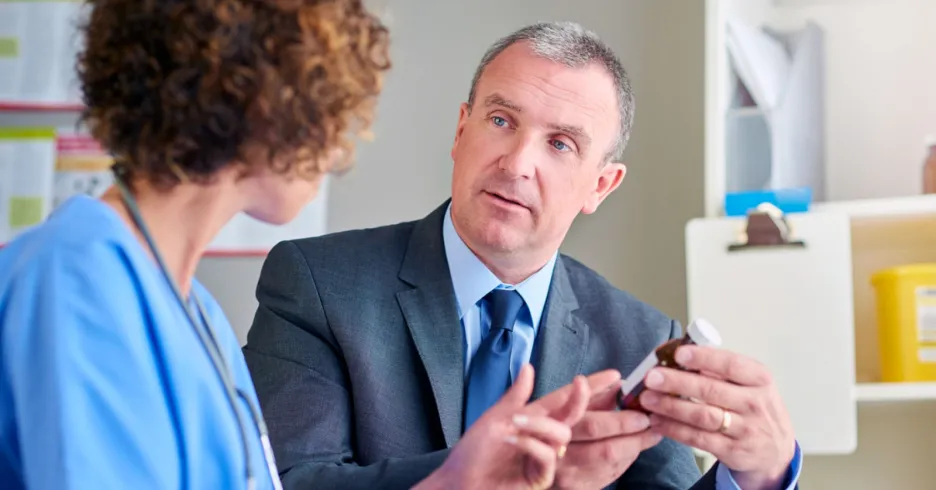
<point>779,289</point>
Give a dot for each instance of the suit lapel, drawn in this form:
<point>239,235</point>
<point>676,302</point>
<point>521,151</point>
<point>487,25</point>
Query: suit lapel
<point>431,316</point>
<point>562,338</point>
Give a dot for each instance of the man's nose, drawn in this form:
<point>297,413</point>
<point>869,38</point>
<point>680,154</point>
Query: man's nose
<point>519,161</point>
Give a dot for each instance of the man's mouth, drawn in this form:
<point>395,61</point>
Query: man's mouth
<point>506,199</point>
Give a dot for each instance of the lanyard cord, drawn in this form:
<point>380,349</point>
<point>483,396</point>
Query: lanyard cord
<point>211,347</point>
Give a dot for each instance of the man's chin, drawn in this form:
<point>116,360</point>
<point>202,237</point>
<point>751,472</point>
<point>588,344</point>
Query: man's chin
<point>501,239</point>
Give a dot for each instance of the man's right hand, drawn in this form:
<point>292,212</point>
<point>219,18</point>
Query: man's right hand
<point>605,442</point>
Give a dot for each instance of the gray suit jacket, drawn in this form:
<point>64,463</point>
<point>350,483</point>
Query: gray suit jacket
<point>356,354</point>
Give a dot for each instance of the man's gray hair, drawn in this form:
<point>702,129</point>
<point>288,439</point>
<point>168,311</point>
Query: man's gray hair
<point>574,46</point>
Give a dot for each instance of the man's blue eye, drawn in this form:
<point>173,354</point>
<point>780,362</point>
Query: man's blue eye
<point>559,145</point>
<point>499,121</point>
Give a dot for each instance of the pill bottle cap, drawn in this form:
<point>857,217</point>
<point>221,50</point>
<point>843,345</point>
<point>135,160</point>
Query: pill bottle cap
<point>703,333</point>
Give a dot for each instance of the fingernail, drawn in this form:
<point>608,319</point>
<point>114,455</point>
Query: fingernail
<point>521,420</point>
<point>649,399</point>
<point>654,379</point>
<point>683,356</point>
<point>510,440</point>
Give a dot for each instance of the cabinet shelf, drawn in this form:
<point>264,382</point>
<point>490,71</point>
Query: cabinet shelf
<point>895,392</point>
<point>816,3</point>
<point>894,207</point>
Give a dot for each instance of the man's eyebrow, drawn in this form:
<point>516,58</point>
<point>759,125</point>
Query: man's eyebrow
<point>573,131</point>
<point>497,99</point>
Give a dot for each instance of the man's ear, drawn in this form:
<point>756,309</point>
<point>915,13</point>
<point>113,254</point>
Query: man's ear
<point>463,114</point>
<point>609,178</point>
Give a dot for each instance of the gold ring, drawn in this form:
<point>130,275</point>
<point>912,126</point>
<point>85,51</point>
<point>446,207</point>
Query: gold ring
<point>561,452</point>
<point>725,422</point>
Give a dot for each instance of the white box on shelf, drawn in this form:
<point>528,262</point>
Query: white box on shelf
<point>778,143</point>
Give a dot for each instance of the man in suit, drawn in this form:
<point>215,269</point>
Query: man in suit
<point>373,350</point>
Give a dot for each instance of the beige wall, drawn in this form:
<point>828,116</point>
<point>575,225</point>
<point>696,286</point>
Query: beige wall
<point>635,239</point>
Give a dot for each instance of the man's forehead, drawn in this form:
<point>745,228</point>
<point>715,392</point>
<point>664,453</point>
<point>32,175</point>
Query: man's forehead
<point>521,61</point>
<point>514,75</point>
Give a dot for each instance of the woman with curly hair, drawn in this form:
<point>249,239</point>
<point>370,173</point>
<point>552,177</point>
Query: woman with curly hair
<point>117,368</point>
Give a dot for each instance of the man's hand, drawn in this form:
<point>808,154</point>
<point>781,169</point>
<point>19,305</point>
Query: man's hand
<point>755,439</point>
<point>510,446</point>
<point>606,441</point>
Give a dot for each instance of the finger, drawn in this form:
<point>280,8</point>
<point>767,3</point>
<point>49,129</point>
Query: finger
<point>603,380</point>
<point>605,399</point>
<point>724,364</point>
<point>574,409</point>
<point>699,415</point>
<point>519,393</point>
<point>553,401</point>
<point>616,448</point>
<point>595,426</point>
<point>698,387</point>
<point>544,428</point>
<point>542,456</point>
<point>712,442</point>
<point>648,439</point>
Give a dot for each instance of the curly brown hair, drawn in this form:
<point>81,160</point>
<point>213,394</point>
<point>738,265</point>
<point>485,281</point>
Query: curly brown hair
<point>181,86</point>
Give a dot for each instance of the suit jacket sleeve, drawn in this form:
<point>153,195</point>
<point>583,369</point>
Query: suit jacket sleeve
<point>300,377</point>
<point>668,465</point>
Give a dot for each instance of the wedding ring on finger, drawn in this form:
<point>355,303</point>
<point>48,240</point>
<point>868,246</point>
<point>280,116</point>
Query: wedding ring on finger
<point>725,422</point>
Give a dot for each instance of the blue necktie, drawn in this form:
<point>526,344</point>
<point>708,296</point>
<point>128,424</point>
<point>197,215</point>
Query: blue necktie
<point>489,375</point>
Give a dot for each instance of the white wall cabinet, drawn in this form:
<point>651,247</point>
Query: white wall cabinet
<point>810,313</point>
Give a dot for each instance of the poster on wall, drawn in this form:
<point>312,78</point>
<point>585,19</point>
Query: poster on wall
<point>248,236</point>
<point>27,172</point>
<point>42,168</point>
<point>39,45</point>
<point>81,167</point>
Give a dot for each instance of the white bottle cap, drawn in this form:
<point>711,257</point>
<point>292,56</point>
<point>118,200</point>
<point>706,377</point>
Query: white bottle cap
<point>703,333</point>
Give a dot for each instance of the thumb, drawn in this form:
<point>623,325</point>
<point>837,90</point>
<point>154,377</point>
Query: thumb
<point>521,390</point>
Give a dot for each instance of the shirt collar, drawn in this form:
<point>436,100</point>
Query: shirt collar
<point>472,280</point>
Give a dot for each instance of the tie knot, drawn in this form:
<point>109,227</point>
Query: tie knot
<point>505,305</point>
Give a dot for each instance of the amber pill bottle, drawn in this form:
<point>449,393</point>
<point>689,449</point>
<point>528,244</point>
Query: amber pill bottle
<point>699,332</point>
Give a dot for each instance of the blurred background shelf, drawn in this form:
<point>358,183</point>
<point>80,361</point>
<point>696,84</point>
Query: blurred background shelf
<point>892,207</point>
<point>895,392</point>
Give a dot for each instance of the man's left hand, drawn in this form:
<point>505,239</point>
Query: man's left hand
<point>731,409</point>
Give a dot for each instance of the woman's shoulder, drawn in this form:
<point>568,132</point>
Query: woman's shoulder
<point>69,283</point>
<point>78,226</point>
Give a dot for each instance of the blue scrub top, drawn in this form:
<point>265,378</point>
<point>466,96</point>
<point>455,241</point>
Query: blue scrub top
<point>103,382</point>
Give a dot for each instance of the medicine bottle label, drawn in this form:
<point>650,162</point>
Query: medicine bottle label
<point>640,372</point>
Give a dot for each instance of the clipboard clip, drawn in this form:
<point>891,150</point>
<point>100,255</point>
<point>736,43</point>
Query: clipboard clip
<point>766,226</point>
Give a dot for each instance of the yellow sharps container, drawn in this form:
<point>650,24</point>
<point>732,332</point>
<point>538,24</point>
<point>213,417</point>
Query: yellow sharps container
<point>906,319</point>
